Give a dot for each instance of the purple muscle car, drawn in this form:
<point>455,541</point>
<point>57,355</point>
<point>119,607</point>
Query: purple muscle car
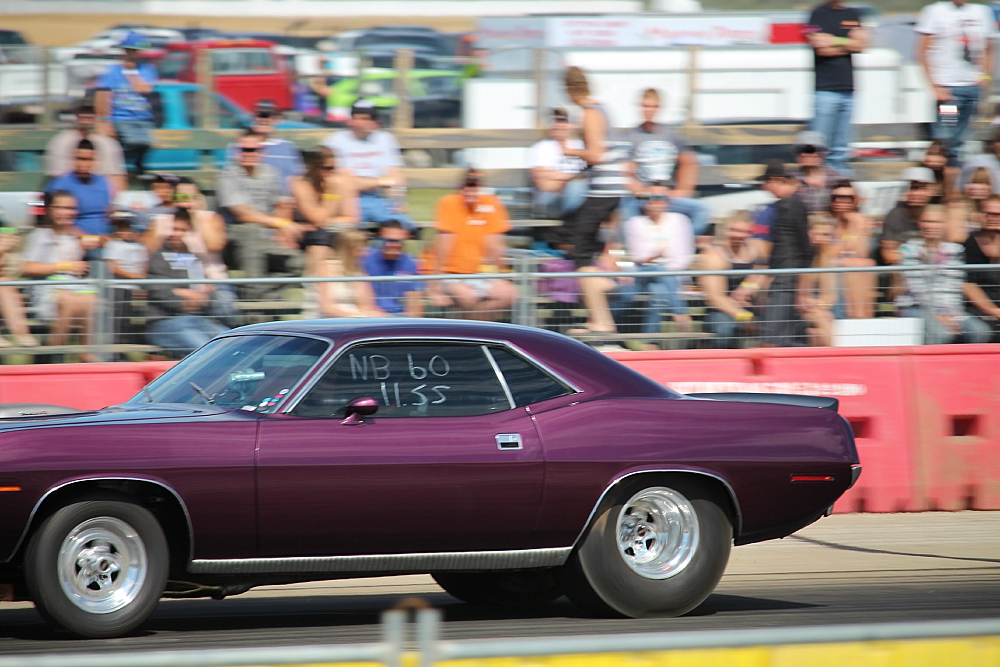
<point>515,465</point>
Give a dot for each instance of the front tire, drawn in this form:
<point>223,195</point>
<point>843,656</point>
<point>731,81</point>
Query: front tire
<point>97,568</point>
<point>655,551</point>
<point>514,588</point>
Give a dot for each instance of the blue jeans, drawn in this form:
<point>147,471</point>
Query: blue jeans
<point>725,328</point>
<point>664,296</point>
<point>696,210</point>
<point>966,98</point>
<point>183,333</point>
<point>832,118</point>
<point>971,329</point>
<point>377,209</point>
<point>554,205</point>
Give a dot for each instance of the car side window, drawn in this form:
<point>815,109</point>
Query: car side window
<point>409,380</point>
<point>527,382</point>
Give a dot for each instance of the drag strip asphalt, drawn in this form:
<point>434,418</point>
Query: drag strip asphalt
<point>844,569</point>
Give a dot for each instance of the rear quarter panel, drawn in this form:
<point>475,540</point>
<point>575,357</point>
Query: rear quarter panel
<point>755,448</point>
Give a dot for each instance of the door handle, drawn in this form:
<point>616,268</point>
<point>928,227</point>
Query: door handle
<point>509,441</point>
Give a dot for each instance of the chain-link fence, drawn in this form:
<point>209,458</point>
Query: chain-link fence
<point>90,319</point>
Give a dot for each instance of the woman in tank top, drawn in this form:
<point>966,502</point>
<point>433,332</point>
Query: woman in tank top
<point>581,231</point>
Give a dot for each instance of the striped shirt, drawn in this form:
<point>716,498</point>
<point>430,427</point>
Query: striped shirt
<point>607,177</point>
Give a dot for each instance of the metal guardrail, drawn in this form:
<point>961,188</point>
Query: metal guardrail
<point>639,312</point>
<point>430,650</point>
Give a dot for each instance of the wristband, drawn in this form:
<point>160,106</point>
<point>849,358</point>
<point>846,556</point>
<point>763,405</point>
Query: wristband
<point>749,285</point>
<point>330,197</point>
<point>841,40</point>
<point>745,316</point>
<point>281,223</point>
<point>64,267</point>
<point>985,77</point>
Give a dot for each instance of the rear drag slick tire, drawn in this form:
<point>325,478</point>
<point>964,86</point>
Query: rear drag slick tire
<point>655,551</point>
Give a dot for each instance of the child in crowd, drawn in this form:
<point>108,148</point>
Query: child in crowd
<point>126,259</point>
<point>818,291</point>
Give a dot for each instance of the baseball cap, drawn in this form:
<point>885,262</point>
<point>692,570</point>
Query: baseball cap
<point>809,138</point>
<point>265,109</point>
<point>918,174</point>
<point>134,40</point>
<point>773,169</point>
<point>364,107</point>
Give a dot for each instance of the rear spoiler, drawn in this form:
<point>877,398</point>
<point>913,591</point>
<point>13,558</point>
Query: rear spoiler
<point>821,402</point>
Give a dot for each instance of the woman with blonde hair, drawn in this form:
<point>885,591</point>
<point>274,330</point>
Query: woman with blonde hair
<point>342,299</point>
<point>818,291</point>
<point>852,233</point>
<point>965,211</point>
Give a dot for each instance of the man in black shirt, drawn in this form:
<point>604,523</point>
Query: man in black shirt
<point>901,222</point>
<point>835,32</point>
<point>790,249</point>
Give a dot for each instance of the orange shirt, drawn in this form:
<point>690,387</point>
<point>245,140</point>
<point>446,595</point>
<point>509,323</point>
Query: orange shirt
<point>470,228</point>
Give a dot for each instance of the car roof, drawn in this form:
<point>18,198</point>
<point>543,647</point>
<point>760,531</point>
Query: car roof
<point>580,365</point>
<point>223,43</point>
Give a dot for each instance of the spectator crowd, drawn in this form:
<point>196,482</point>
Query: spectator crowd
<point>622,202</point>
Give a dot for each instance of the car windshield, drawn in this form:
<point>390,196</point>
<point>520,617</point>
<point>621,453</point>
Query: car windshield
<point>254,373</point>
<point>441,85</point>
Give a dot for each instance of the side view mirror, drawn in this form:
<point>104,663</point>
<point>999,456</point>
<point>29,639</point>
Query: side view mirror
<point>359,408</point>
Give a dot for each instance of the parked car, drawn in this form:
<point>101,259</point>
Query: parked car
<point>111,38</point>
<point>513,464</point>
<point>436,95</point>
<point>175,107</point>
<point>395,37</point>
<point>244,70</point>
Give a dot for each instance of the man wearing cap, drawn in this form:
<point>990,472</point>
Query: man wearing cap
<point>835,34</point>
<point>248,195</point>
<point>816,178</point>
<point>900,224</point>
<point>556,177</point>
<point>373,156</point>
<point>790,249</point>
<point>283,155</point>
<point>122,105</point>
<point>60,153</point>
<point>955,46</point>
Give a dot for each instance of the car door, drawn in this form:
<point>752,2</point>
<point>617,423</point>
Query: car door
<point>447,464</point>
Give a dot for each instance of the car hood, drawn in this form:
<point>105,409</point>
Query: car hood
<point>115,414</point>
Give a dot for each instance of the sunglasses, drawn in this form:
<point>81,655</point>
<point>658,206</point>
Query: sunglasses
<point>842,197</point>
<point>64,208</point>
<point>393,241</point>
<point>810,150</point>
<point>657,197</point>
<point>917,185</point>
<point>471,183</point>
<point>328,167</point>
<point>992,214</point>
<point>249,149</point>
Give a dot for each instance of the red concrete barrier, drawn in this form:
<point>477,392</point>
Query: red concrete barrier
<point>956,404</point>
<point>870,384</point>
<point>926,419</point>
<point>84,386</point>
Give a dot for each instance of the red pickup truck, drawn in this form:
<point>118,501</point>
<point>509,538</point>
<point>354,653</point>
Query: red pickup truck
<point>245,70</point>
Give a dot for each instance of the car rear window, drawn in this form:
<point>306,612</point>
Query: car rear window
<point>242,61</point>
<point>527,382</point>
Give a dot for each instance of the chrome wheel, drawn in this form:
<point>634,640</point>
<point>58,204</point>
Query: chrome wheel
<point>102,565</point>
<point>657,533</point>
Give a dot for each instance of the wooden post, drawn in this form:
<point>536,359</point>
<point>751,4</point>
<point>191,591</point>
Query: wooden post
<point>540,85</point>
<point>403,118</point>
<point>206,100</point>
<point>46,60</point>
<point>692,72</point>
